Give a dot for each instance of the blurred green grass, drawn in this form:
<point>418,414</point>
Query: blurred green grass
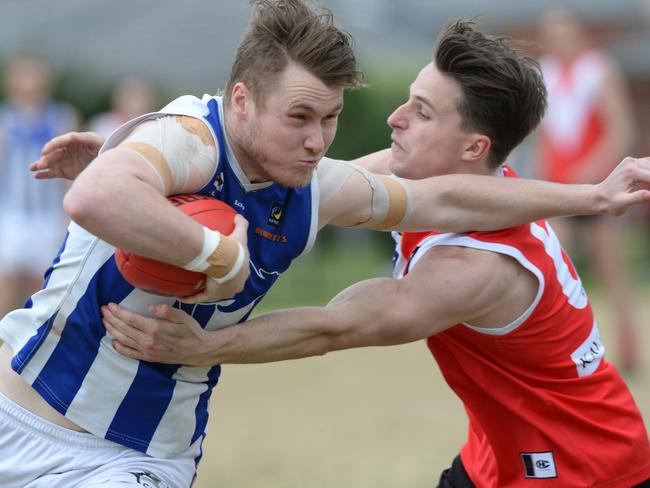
<point>341,259</point>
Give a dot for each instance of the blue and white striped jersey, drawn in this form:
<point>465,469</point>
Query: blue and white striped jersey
<point>64,352</point>
<point>22,136</point>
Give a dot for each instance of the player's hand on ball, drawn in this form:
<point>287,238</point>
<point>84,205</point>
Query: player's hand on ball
<point>67,155</point>
<point>170,336</point>
<point>214,291</point>
<point>624,185</point>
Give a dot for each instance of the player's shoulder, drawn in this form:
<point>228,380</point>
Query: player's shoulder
<point>458,254</point>
<point>477,265</point>
<point>338,170</point>
<point>190,105</point>
<point>327,164</point>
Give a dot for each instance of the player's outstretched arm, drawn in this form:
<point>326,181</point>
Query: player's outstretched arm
<point>67,155</point>
<point>462,202</point>
<point>376,162</point>
<point>467,202</point>
<point>446,287</point>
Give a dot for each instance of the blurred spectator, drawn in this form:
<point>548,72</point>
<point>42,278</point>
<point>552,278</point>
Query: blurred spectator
<point>587,130</point>
<point>131,97</point>
<point>32,220</point>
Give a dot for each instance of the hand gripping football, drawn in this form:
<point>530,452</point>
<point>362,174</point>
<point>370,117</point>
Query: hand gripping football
<point>166,279</point>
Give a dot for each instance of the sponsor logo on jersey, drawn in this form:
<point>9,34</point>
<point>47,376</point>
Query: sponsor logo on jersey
<point>589,354</point>
<point>239,204</point>
<point>275,215</point>
<point>539,465</point>
<point>218,183</point>
<point>282,239</point>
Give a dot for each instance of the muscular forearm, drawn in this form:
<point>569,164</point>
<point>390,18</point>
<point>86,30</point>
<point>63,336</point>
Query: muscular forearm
<point>464,202</point>
<point>127,211</point>
<point>276,336</point>
<point>356,317</point>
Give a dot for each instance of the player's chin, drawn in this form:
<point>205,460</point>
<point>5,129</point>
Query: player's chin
<point>397,168</point>
<point>299,179</point>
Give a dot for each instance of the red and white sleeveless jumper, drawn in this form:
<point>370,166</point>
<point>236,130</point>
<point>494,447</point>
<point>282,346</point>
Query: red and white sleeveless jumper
<point>543,403</point>
<point>573,125</point>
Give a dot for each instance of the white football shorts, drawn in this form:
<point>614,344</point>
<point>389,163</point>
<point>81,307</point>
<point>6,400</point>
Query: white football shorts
<point>35,453</point>
<point>29,246</point>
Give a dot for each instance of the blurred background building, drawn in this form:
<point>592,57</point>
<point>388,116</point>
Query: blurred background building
<point>187,47</point>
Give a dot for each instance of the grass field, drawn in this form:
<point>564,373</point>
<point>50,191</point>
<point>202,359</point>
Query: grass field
<point>379,417</point>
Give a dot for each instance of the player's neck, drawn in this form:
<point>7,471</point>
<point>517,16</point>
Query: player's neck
<point>237,142</point>
<point>478,167</point>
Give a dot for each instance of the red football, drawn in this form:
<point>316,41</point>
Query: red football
<point>165,279</point>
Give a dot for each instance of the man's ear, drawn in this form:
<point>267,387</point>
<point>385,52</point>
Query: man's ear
<point>477,148</point>
<point>240,100</point>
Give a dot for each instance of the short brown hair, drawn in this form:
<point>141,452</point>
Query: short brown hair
<point>289,30</point>
<point>504,95</point>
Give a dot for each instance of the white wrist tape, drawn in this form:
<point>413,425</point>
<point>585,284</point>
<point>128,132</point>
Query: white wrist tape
<point>211,240</point>
<point>235,269</point>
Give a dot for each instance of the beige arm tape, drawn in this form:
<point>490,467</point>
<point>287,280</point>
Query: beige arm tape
<point>221,257</point>
<point>390,196</point>
<point>179,149</point>
<point>399,202</point>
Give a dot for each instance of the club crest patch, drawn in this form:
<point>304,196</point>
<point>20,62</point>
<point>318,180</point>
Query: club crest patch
<point>539,465</point>
<point>275,214</point>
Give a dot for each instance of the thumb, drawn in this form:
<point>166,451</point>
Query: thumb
<point>629,199</point>
<point>639,196</point>
<point>240,231</point>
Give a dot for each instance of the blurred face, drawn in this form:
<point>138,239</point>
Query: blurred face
<point>28,82</point>
<point>133,97</point>
<point>562,35</point>
<point>427,136</point>
<point>285,138</point>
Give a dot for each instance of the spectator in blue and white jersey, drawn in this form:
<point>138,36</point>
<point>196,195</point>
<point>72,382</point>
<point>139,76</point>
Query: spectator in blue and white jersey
<point>32,220</point>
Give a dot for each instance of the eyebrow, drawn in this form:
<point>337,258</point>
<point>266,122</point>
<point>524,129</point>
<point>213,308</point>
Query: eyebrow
<point>424,101</point>
<point>309,108</point>
<point>421,99</point>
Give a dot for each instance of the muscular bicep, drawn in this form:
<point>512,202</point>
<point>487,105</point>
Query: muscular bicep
<point>178,150</point>
<point>446,287</point>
